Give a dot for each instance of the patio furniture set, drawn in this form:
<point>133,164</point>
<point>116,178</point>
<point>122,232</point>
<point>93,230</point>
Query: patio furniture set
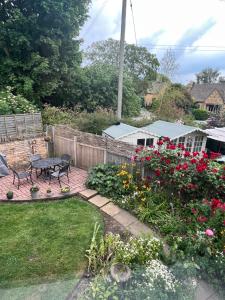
<point>50,168</point>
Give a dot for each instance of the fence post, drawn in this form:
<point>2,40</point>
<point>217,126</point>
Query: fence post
<point>105,156</point>
<point>75,150</point>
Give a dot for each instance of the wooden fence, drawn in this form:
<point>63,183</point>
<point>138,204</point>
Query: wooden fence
<point>19,126</point>
<point>85,156</point>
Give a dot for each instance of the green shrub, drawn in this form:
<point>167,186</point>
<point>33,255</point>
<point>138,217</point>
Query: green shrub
<point>103,178</point>
<point>200,114</point>
<point>14,104</point>
<point>88,122</point>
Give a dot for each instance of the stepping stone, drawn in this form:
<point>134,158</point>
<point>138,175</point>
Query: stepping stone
<point>125,218</point>
<point>99,201</point>
<point>138,229</point>
<point>87,194</point>
<point>111,209</point>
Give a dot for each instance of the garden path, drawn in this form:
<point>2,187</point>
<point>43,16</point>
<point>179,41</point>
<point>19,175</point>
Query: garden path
<point>137,228</point>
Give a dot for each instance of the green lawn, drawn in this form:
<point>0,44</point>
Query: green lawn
<point>44,242</point>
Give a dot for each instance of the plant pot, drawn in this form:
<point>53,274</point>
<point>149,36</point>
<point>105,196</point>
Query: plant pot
<point>9,197</point>
<point>120,272</point>
<point>65,194</point>
<point>34,195</point>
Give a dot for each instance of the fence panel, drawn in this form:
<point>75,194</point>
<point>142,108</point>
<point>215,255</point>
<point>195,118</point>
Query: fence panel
<point>114,158</point>
<point>89,156</point>
<point>20,126</point>
<point>64,146</point>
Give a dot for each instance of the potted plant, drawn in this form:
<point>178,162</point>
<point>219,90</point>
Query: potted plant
<point>65,190</point>
<point>34,191</point>
<point>49,192</point>
<point>9,195</point>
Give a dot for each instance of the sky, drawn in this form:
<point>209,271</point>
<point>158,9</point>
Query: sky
<point>193,29</point>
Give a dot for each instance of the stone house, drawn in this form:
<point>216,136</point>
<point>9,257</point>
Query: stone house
<point>209,96</point>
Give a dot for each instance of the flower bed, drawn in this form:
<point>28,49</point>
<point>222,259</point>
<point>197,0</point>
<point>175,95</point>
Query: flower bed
<point>139,270</point>
<point>182,196</point>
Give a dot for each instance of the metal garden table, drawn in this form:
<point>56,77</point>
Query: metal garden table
<point>45,164</point>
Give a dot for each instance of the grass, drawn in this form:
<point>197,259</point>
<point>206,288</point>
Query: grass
<point>44,242</point>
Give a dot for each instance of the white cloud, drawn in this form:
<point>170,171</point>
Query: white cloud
<point>164,22</point>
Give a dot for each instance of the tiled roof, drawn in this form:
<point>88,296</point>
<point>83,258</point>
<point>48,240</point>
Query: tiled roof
<point>200,92</point>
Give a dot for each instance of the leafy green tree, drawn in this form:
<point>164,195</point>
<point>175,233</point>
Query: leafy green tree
<point>39,54</point>
<point>98,87</point>
<point>208,75</point>
<point>138,61</point>
<point>173,102</point>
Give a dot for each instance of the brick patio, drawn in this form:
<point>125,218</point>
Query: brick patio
<point>77,179</point>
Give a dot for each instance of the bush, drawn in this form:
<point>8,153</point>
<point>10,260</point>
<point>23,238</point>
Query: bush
<point>88,122</point>
<point>200,114</point>
<point>12,104</point>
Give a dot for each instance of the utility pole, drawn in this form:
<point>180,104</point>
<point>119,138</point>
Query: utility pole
<point>121,60</point>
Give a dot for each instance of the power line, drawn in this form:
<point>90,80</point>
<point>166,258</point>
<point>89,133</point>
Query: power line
<point>132,12</point>
<point>202,48</point>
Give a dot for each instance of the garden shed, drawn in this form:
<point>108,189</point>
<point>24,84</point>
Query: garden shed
<point>193,138</point>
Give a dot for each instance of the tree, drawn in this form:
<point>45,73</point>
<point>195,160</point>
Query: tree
<point>39,55</point>
<point>168,65</point>
<point>173,102</point>
<point>98,88</point>
<point>138,61</point>
<point>208,75</point>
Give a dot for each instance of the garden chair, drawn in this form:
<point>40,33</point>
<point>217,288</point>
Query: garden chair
<point>62,171</point>
<point>34,157</point>
<point>26,174</point>
<point>66,159</point>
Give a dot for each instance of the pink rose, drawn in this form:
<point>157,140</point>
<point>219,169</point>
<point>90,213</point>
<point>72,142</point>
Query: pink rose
<point>209,232</point>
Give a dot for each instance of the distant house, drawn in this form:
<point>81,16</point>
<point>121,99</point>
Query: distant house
<point>152,92</point>
<point>193,138</point>
<point>209,96</point>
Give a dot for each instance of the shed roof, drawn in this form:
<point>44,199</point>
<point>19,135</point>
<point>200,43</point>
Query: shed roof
<point>200,92</point>
<point>217,134</point>
<point>172,130</point>
<point>116,131</point>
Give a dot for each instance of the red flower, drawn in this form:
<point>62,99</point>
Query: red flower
<point>194,211</point>
<point>224,222</point>
<point>148,158</point>
<point>201,167</point>
<point>192,186</point>
<point>202,219</point>
<point>185,166</point>
<point>171,147</point>
<point>157,172</point>
<point>181,146</point>
<point>167,161</point>
<point>160,142</point>
<point>214,170</point>
<point>178,167</point>
<point>193,161</point>
<point>187,154</point>
<point>205,155</point>
<point>195,153</point>
<point>166,139</point>
<point>215,203</point>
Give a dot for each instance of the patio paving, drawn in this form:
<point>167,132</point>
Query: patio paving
<point>77,178</point>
